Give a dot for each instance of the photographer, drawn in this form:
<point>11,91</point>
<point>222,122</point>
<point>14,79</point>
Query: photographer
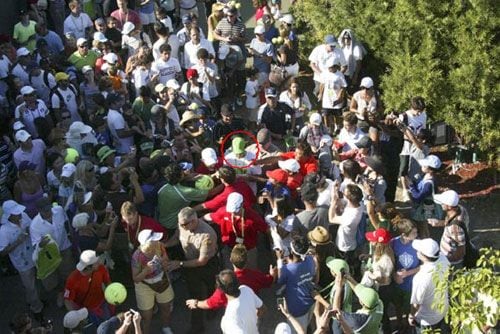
<point>121,323</point>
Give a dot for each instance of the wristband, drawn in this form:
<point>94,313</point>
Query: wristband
<point>279,263</point>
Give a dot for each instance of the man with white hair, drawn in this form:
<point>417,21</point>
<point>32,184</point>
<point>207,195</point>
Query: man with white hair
<point>15,241</point>
<point>199,242</point>
<point>238,225</point>
<point>424,314</point>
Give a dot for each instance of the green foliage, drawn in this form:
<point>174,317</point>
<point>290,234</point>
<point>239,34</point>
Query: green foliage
<point>472,293</point>
<point>445,51</point>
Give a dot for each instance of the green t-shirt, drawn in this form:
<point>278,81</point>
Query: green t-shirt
<point>143,110</point>
<point>23,33</point>
<point>79,61</point>
<point>171,199</point>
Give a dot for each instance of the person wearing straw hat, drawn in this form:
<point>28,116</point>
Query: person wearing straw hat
<point>85,288</point>
<point>15,241</point>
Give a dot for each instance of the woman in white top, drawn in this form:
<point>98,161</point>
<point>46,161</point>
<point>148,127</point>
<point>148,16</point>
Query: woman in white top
<point>365,103</point>
<point>298,100</point>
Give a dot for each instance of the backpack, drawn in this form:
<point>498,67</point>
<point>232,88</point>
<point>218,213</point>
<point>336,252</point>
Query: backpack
<point>62,103</point>
<point>45,79</point>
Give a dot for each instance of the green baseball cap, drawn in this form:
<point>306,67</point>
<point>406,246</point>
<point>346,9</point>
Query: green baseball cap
<point>367,296</point>
<point>337,265</point>
<point>204,182</point>
<point>238,145</point>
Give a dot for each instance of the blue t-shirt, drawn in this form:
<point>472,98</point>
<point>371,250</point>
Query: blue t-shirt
<point>264,48</point>
<point>298,279</point>
<point>406,258</point>
<point>282,191</point>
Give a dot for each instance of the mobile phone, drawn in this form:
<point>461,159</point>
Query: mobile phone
<point>280,301</point>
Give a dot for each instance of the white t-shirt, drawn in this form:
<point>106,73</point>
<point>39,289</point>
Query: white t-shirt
<point>21,257</point>
<point>28,116</point>
<point>350,139</point>
<point>352,55</point>
<point>166,69</point>
<point>241,313</point>
<point>346,234</point>
<point>303,102</point>
<point>251,91</point>
<point>173,41</point>
<point>209,87</point>
<point>325,196</point>
<point>42,90</point>
<point>40,227</point>
<point>190,51</point>
<point>69,101</point>
<point>141,76</point>
<point>371,106</point>
<point>4,67</point>
<point>117,122</point>
<point>77,25</point>
<point>415,124</point>
<point>19,71</point>
<point>424,292</point>
<point>320,56</point>
<point>333,82</point>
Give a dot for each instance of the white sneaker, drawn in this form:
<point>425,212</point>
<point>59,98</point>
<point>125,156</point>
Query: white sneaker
<point>166,330</point>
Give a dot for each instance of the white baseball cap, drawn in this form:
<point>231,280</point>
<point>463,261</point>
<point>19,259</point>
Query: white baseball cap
<point>287,18</point>
<point>81,41</point>
<point>18,125</point>
<point>26,90</point>
<point>99,36</point>
<point>80,220</point>
<point>73,318</point>
<point>111,58</point>
<point>87,258</point>
<point>11,207</point>
<point>429,247</point>
<point>127,28</point>
<point>86,69</point>
<point>146,236</point>
<point>259,29</point>
<point>22,136</point>
<point>366,82</point>
<point>449,197</point>
<point>234,202</point>
<point>290,165</point>
<point>68,170</point>
<point>78,128</point>
<point>21,52</point>
<point>172,83</point>
<point>283,328</point>
<point>315,118</point>
<point>209,156</point>
<point>430,161</point>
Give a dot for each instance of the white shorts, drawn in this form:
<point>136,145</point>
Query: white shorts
<point>292,70</point>
<point>147,19</point>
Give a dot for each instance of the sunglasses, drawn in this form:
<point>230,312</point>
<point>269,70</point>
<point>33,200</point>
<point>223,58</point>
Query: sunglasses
<point>83,46</point>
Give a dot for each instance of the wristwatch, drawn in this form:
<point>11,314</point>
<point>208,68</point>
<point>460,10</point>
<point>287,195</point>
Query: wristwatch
<point>181,264</point>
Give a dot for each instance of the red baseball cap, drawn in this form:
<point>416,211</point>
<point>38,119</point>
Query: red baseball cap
<point>192,72</point>
<point>279,175</point>
<point>379,235</point>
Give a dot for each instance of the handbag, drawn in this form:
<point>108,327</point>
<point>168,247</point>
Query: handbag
<point>278,74</point>
<point>159,286</point>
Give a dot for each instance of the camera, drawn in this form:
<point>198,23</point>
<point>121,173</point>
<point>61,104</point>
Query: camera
<point>362,178</point>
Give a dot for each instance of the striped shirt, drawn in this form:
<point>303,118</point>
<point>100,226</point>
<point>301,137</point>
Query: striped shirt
<point>226,29</point>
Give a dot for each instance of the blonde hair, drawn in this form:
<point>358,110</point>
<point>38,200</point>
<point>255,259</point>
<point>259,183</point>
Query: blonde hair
<point>379,249</point>
<point>128,208</point>
<point>151,247</point>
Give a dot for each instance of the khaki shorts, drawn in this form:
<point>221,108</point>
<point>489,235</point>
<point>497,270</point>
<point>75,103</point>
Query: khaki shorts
<point>146,296</point>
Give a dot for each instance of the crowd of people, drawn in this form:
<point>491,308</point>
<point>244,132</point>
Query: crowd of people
<point>134,140</point>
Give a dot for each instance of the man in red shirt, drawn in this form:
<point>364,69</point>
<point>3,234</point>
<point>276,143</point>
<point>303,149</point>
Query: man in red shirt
<point>303,154</point>
<point>254,279</point>
<point>238,225</point>
<point>133,224</point>
<point>227,176</point>
<point>85,288</point>
<point>209,162</point>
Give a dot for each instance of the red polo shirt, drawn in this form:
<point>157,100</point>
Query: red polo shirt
<point>238,186</point>
<point>252,225</point>
<point>87,291</point>
<point>307,165</point>
<point>144,223</point>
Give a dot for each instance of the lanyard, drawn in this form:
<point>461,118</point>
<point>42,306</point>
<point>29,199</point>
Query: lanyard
<point>242,225</point>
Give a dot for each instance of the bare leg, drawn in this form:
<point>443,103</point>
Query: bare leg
<point>165,313</point>
<point>146,320</point>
